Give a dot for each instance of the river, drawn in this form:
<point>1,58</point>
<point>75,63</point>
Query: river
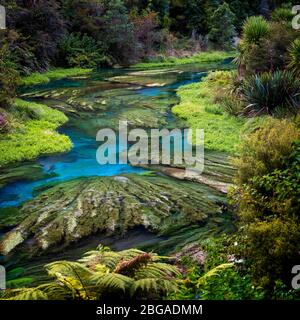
<point>143,98</point>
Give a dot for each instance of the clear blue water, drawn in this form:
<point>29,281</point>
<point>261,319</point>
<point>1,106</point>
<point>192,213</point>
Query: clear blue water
<point>81,160</point>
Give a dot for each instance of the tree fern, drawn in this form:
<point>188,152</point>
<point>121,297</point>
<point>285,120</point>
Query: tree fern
<point>103,273</point>
<point>113,281</point>
<point>25,294</point>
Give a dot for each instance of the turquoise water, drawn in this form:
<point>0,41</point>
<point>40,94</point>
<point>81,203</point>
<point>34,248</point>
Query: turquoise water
<point>81,160</point>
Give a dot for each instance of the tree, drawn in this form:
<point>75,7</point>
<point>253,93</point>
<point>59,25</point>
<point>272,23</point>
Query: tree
<point>222,29</point>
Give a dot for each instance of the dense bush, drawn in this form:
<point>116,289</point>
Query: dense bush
<point>267,196</point>
<point>263,150</point>
<point>222,28</point>
<point>218,278</point>
<point>282,14</point>
<point>271,92</point>
<point>261,50</point>
<point>9,78</point>
<point>40,27</point>
<point>80,50</point>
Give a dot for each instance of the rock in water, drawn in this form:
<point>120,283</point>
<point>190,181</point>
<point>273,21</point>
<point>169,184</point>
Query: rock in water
<point>109,205</point>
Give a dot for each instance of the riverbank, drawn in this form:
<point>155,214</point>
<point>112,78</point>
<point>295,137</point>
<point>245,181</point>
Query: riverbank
<point>199,58</point>
<point>200,106</point>
<point>55,74</point>
<point>32,133</point>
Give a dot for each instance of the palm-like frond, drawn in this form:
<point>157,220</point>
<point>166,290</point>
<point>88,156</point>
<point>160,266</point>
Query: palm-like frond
<point>155,270</point>
<point>57,291</point>
<point>72,275</point>
<point>152,285</point>
<point>103,273</point>
<point>214,272</point>
<point>112,281</point>
<point>107,258</point>
<point>25,294</point>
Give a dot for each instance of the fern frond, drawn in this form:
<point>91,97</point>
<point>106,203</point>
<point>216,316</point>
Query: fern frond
<point>145,285</point>
<point>214,272</point>
<point>56,291</point>
<point>112,281</point>
<point>157,269</point>
<point>25,294</point>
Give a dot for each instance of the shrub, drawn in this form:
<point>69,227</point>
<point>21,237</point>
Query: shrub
<point>40,27</point>
<point>255,28</point>
<point>4,123</point>
<point>294,57</point>
<point>266,92</point>
<point>222,27</point>
<point>282,15</point>
<point>224,282</point>
<point>9,79</point>
<point>216,279</point>
<point>272,248</point>
<point>264,150</point>
<point>267,54</point>
<point>80,50</point>
<point>267,198</point>
<point>232,105</point>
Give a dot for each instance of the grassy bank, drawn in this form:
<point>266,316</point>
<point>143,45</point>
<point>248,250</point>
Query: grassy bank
<point>41,78</point>
<point>202,57</point>
<point>199,106</point>
<point>32,133</point>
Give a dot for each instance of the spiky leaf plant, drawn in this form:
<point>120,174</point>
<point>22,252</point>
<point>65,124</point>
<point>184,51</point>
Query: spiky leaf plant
<point>271,92</point>
<point>294,57</point>
<point>103,273</point>
<point>255,28</point>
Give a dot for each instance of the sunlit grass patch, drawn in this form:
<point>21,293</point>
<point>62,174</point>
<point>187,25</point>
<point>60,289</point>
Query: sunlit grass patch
<point>41,78</point>
<point>202,57</point>
<point>199,109</point>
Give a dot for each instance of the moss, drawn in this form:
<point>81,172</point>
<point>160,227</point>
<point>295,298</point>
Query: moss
<point>199,107</point>
<point>41,78</point>
<point>73,210</point>
<point>34,135</point>
<point>10,217</point>
<point>202,57</point>
<point>26,171</point>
